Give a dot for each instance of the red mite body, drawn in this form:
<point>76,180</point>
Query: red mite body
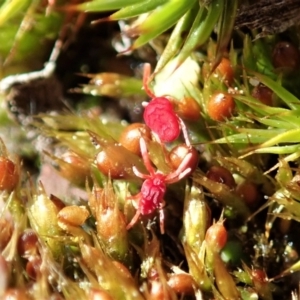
<point>154,186</point>
<point>152,193</point>
<point>161,118</point>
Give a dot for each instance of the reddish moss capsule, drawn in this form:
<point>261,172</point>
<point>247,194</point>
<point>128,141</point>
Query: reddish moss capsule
<point>182,283</point>
<point>248,192</point>
<point>179,152</point>
<point>188,108</point>
<point>97,294</point>
<point>216,236</point>
<point>130,137</point>
<point>220,106</point>
<point>112,161</point>
<point>221,175</point>
<point>74,168</point>
<point>263,94</point>
<point>259,275</point>
<point>28,243</point>
<point>286,56</point>
<point>9,174</point>
<point>73,215</point>
<point>225,71</point>
<point>33,267</point>
<point>159,291</point>
<point>115,160</point>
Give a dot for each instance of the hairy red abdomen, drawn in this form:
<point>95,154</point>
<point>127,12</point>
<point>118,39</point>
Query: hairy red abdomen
<point>160,117</point>
<point>152,193</point>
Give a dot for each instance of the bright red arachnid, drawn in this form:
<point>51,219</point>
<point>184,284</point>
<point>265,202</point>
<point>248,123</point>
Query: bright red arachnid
<point>159,115</point>
<point>154,187</point>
